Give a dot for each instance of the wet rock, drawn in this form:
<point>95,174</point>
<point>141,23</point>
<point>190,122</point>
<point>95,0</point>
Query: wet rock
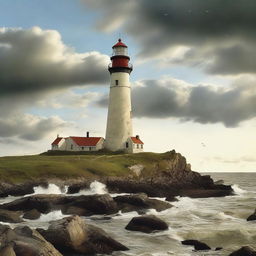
<point>73,235</point>
<point>42,203</point>
<point>218,248</point>
<point>244,251</point>
<point>199,246</point>
<point>7,251</point>
<point>23,241</point>
<point>32,215</point>
<point>204,193</point>
<point>252,217</point>
<point>146,224</point>
<point>10,216</point>
<point>140,202</point>
<point>92,204</point>
<point>76,187</point>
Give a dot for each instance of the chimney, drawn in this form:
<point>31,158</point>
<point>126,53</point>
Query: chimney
<point>58,135</point>
<point>87,134</point>
<point>137,137</point>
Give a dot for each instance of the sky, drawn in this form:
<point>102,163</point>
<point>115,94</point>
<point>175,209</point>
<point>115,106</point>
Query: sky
<point>193,82</point>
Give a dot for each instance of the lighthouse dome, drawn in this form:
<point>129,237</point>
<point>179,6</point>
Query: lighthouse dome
<point>120,48</point>
<point>119,44</point>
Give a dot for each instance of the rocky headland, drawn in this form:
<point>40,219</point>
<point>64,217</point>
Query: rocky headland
<point>141,177</point>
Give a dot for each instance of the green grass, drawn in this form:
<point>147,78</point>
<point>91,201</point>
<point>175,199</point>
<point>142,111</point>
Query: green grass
<point>23,168</point>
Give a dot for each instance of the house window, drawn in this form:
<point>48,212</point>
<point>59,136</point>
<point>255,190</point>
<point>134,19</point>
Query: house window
<point>141,146</point>
<point>90,148</point>
<point>71,146</point>
<point>82,148</point>
<point>116,82</point>
<point>137,145</point>
<point>127,144</point>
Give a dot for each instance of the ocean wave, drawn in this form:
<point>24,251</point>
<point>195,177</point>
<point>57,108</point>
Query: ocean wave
<point>238,191</point>
<point>54,215</point>
<point>51,189</point>
<point>96,187</point>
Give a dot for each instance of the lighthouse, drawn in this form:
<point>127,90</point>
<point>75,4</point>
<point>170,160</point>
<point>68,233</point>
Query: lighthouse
<point>119,132</point>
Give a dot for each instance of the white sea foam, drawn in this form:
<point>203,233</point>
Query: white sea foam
<point>97,187</point>
<point>239,191</point>
<point>51,189</point>
<point>54,215</point>
<point>125,215</point>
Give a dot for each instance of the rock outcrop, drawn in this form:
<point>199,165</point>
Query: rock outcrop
<point>73,235</point>
<point>140,202</point>
<point>10,216</point>
<point>252,216</point>
<point>198,246</point>
<point>91,204</point>
<point>23,241</point>
<point>146,224</point>
<point>244,251</point>
<point>171,176</point>
<point>32,215</point>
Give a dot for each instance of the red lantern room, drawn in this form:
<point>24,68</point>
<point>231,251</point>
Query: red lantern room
<point>120,59</point>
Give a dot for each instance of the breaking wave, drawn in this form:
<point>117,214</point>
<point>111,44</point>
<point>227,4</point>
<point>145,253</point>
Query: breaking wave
<point>51,189</point>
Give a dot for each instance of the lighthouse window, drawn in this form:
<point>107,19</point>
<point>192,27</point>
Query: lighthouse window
<point>127,145</point>
<point>116,82</point>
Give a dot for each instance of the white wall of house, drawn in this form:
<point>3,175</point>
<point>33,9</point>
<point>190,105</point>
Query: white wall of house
<point>133,148</point>
<point>68,144</point>
<point>60,145</point>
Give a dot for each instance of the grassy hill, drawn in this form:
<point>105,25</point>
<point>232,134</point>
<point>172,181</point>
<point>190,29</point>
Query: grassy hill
<point>22,168</point>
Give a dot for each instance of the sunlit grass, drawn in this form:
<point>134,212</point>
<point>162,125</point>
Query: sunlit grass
<point>21,168</point>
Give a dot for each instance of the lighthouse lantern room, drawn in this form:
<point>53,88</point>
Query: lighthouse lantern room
<point>119,123</point>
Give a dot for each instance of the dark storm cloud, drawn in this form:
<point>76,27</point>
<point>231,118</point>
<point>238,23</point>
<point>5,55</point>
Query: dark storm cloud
<point>33,64</point>
<point>220,35</point>
<point>201,104</point>
<point>36,60</point>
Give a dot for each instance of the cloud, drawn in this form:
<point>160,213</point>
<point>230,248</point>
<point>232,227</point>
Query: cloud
<point>67,99</point>
<point>29,127</point>
<point>202,104</point>
<point>219,36</point>
<point>35,60</point>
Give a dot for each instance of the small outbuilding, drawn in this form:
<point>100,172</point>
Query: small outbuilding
<point>74,143</point>
<point>134,145</point>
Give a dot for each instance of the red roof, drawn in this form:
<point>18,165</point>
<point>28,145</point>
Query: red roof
<point>57,140</point>
<point>136,140</point>
<point>86,141</point>
<point>119,43</point>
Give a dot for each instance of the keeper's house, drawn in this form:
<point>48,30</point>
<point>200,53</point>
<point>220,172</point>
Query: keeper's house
<point>78,143</point>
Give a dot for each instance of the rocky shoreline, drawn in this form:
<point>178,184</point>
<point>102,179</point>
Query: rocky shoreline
<point>72,235</point>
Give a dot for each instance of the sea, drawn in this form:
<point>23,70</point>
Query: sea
<point>216,221</point>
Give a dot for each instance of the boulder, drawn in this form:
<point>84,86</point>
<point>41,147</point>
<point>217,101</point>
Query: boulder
<point>139,202</point>
<point>10,216</point>
<point>42,203</point>
<point>73,235</point>
<point>205,193</point>
<point>32,215</point>
<point>23,241</point>
<point>7,251</point>
<point>252,216</point>
<point>146,224</point>
<point>244,251</point>
<point>76,187</point>
<point>199,246</point>
<point>89,205</point>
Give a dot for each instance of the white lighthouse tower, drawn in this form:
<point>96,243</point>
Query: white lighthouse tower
<point>119,123</point>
